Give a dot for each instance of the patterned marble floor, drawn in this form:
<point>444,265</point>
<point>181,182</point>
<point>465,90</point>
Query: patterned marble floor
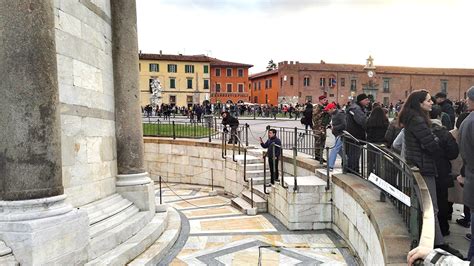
<point>215,233</point>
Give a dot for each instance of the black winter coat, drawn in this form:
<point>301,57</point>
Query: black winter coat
<point>420,145</point>
<point>449,151</point>
<point>230,120</point>
<point>377,134</point>
<point>447,107</point>
<point>356,120</point>
<point>392,132</point>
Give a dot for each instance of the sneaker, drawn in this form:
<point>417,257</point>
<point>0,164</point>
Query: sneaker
<point>468,237</point>
<point>463,222</point>
<point>451,250</point>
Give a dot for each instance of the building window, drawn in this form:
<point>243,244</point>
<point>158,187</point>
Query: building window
<point>190,83</point>
<point>386,101</point>
<point>281,82</point>
<point>255,99</point>
<point>291,81</point>
<point>306,82</point>
<point>332,82</point>
<point>229,72</point>
<point>218,87</point>
<point>240,72</point>
<point>172,68</point>
<point>255,86</point>
<point>322,82</point>
<point>206,84</point>
<point>189,69</point>
<point>154,68</point>
<point>206,69</point>
<point>269,83</point>
<point>172,83</point>
<point>353,85</point>
<point>309,98</point>
<point>189,99</point>
<point>229,87</point>
<point>331,95</point>
<point>259,85</point>
<point>241,87</point>
<point>386,85</point>
<point>444,86</point>
<point>150,81</point>
<point>172,99</point>
<point>343,82</point>
<point>218,72</point>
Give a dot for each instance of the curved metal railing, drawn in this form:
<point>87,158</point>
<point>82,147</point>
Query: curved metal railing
<point>371,161</point>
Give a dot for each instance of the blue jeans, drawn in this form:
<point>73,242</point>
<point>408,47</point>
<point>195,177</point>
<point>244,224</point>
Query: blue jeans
<point>470,254</point>
<point>334,152</point>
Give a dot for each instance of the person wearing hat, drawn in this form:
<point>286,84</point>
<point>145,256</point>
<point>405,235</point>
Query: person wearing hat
<point>321,120</point>
<point>356,119</point>
<point>233,123</point>
<point>446,107</point>
<point>338,125</point>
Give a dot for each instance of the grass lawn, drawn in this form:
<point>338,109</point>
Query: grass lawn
<point>181,131</point>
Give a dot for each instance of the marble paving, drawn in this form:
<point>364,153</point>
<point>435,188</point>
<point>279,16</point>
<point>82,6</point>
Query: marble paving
<point>215,233</point>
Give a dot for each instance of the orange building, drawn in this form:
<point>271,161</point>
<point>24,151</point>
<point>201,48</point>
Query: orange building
<point>264,87</point>
<point>229,81</point>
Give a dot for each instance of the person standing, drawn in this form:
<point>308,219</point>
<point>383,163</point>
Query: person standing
<point>376,128</point>
<point>307,119</point>
<point>356,119</point>
<point>320,121</point>
<point>420,147</point>
<point>233,123</point>
<point>466,148</point>
<point>446,107</point>
<point>338,125</point>
<point>273,146</point>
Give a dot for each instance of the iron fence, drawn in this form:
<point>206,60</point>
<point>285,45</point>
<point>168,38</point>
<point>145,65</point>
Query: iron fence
<point>363,158</point>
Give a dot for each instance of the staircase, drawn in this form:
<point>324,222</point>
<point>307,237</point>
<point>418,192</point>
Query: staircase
<point>119,232</point>
<point>254,170</point>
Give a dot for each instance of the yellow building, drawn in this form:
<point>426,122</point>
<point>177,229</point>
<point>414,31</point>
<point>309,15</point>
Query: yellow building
<point>185,79</point>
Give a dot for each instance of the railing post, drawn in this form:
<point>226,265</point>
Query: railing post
<point>265,173</point>
<point>194,129</point>
<point>344,154</point>
<point>415,215</point>
<point>282,171</point>
<point>327,169</point>
<point>233,151</point>
<point>295,188</point>
<point>251,191</point>
<point>254,110</point>
<point>215,123</point>
<point>161,192</point>
<point>174,131</point>
<point>273,162</point>
<point>245,165</point>
<point>296,140</point>
<point>362,159</point>
<point>247,134</point>
<point>212,179</point>
<point>210,130</point>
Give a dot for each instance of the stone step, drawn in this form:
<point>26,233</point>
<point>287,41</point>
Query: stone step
<point>240,204</point>
<point>102,203</point>
<point>110,239</point>
<point>156,252</point>
<point>112,221</point>
<point>258,201</point>
<point>136,244</point>
<point>258,190</point>
<point>258,180</point>
<point>254,166</point>
<point>257,173</point>
<point>109,211</point>
<point>240,158</point>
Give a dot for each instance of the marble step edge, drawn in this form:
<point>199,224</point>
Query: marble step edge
<point>112,238</point>
<point>135,245</point>
<point>8,260</point>
<point>109,211</point>
<point>112,221</point>
<point>158,250</point>
<point>256,198</point>
<point>241,204</point>
<point>4,249</point>
<point>100,204</point>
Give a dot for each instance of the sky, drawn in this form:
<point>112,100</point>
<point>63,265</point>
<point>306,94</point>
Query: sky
<point>417,33</point>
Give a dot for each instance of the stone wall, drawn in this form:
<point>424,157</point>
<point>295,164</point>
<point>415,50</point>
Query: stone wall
<point>86,94</point>
<point>374,229</point>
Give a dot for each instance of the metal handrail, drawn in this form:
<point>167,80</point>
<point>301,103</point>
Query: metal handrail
<point>396,171</point>
<point>282,180</point>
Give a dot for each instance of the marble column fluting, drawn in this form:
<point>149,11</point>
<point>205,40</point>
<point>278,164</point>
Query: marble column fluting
<point>129,132</point>
<point>30,151</point>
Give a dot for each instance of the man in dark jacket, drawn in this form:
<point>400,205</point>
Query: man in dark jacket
<point>466,148</point>
<point>356,119</point>
<point>446,107</point>
<point>233,122</point>
<point>273,145</point>
<point>444,180</point>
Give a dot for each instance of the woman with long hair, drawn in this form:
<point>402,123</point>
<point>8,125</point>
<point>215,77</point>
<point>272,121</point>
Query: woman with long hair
<point>376,127</point>
<point>420,145</point>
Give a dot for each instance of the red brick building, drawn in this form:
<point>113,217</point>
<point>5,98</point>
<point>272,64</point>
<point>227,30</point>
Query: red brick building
<point>387,84</point>
<point>229,81</point>
<point>265,87</point>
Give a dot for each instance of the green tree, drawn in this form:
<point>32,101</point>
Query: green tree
<point>271,65</point>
